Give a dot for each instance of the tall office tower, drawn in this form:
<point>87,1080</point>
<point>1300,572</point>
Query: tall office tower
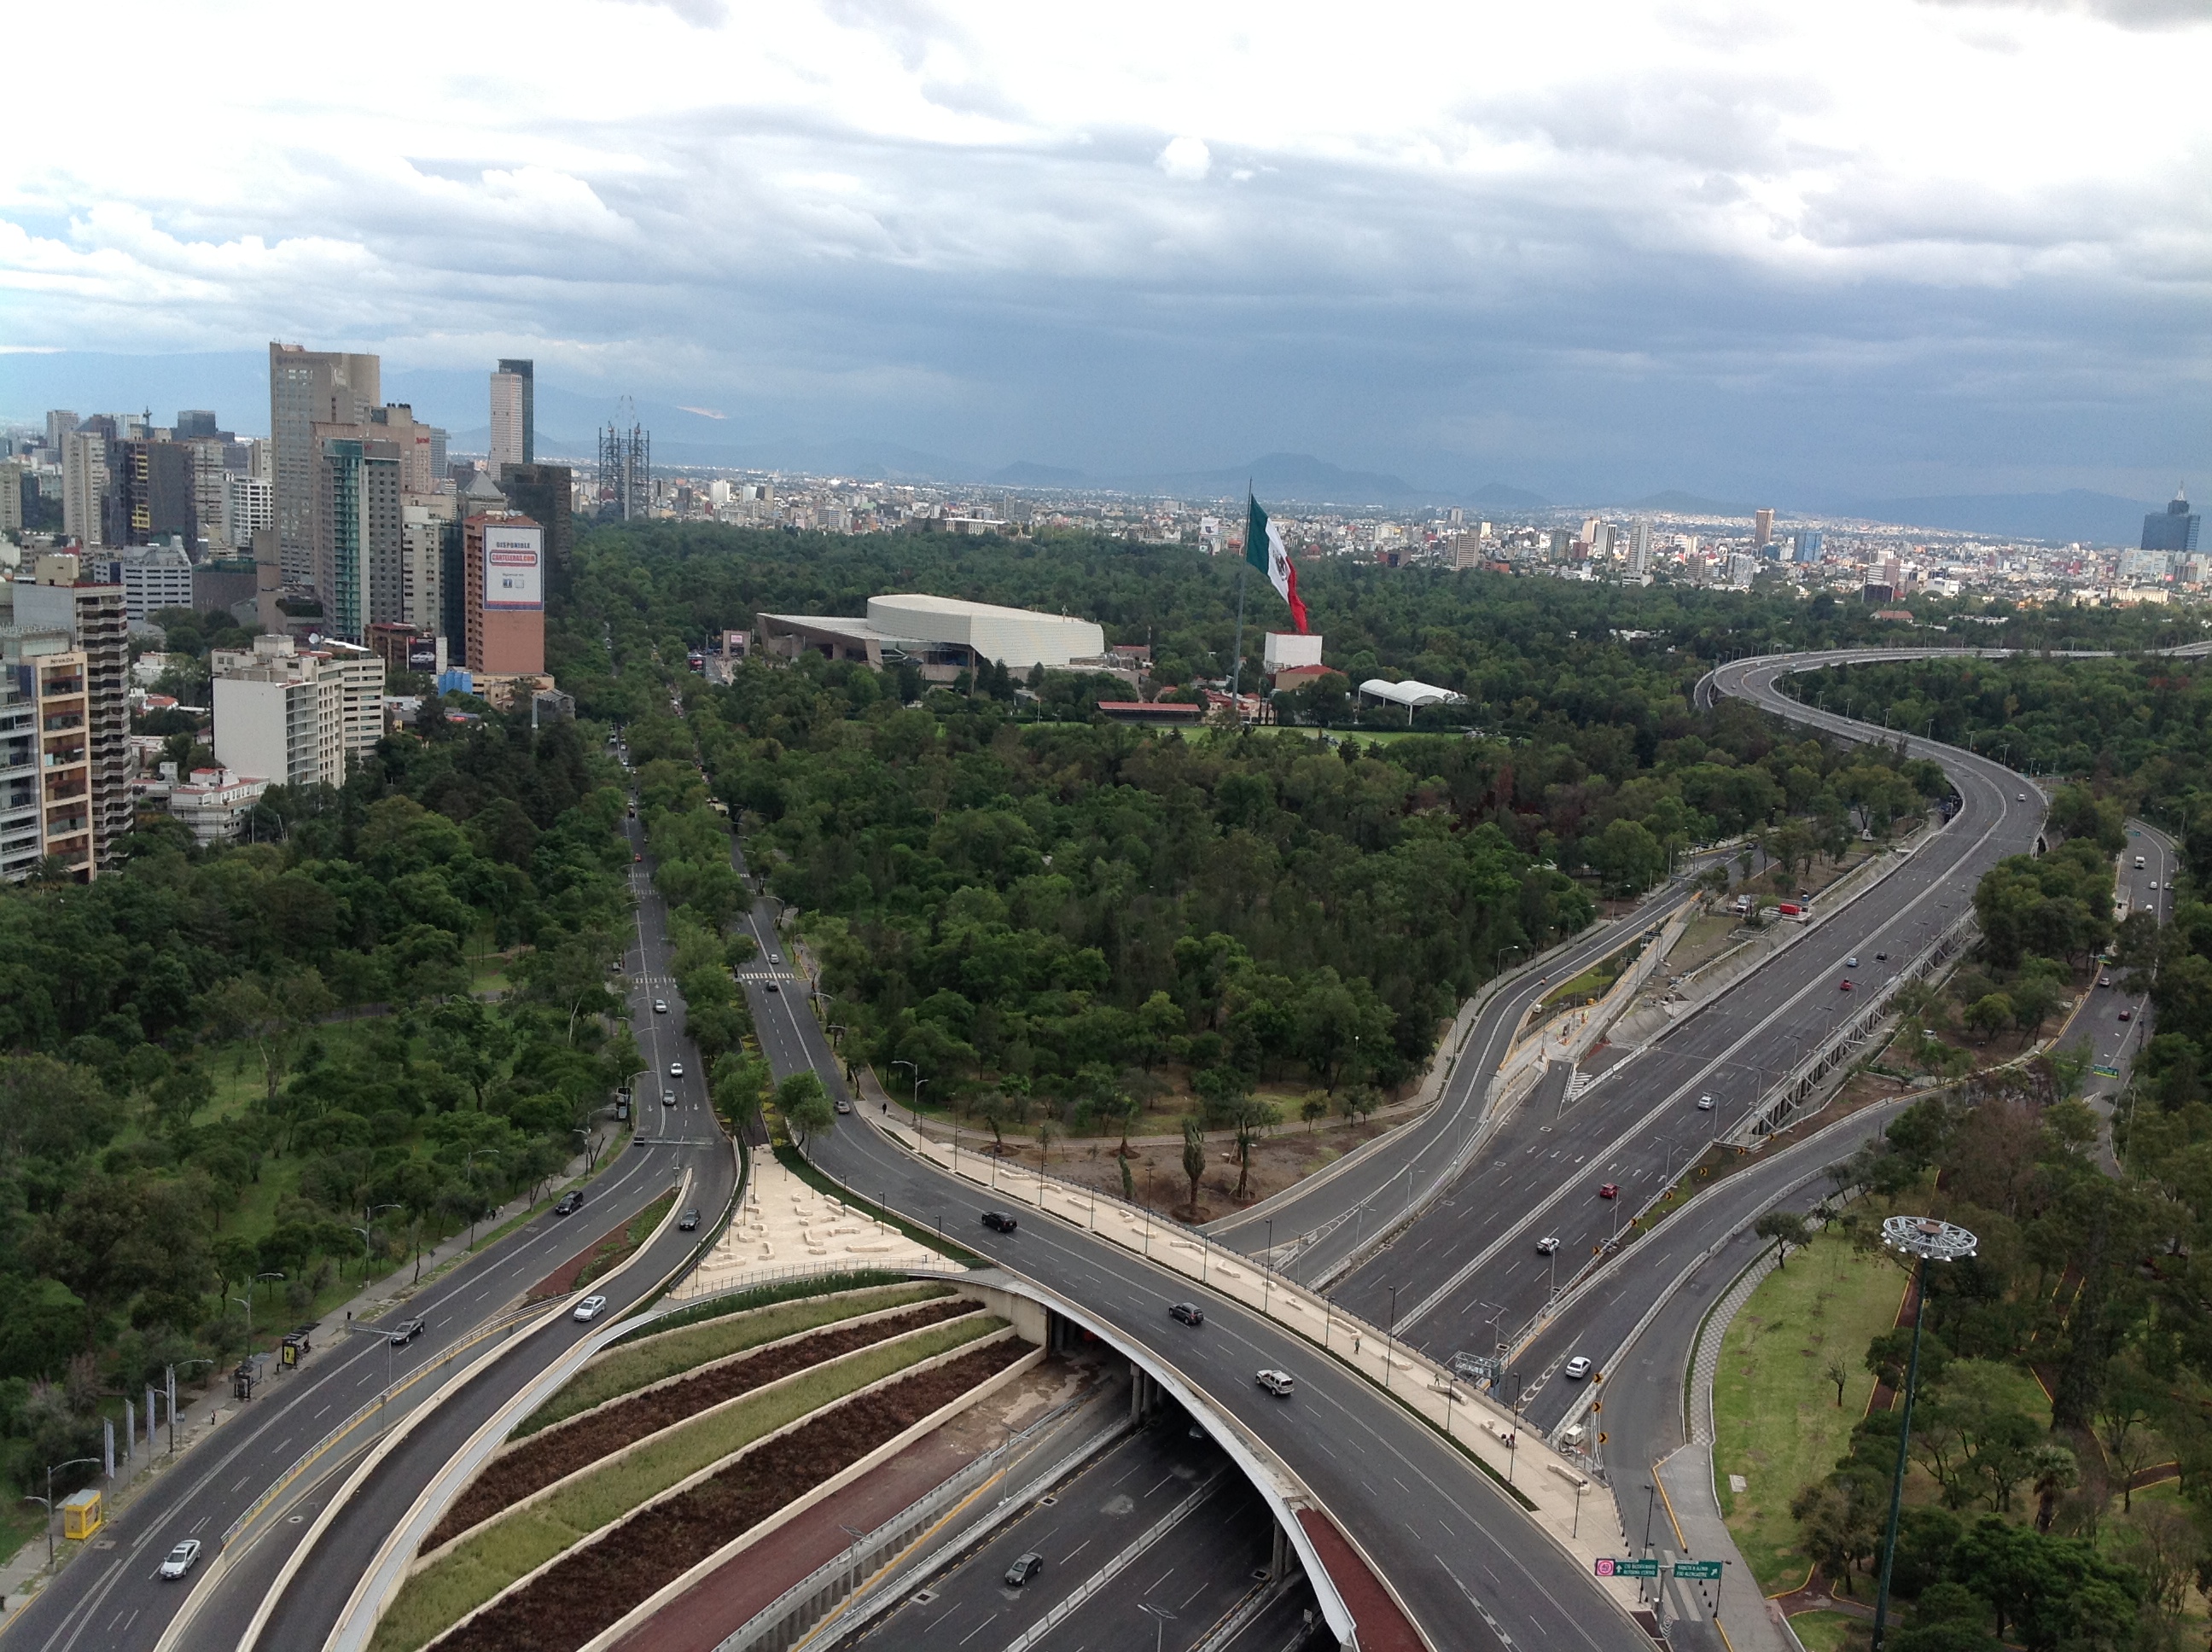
<point>306,388</point>
<point>156,485</point>
<point>546,494</point>
<point>358,534</point>
<point>1639,546</point>
<point>1762,529</point>
<point>46,760</point>
<point>22,757</point>
<point>421,446</point>
<point>503,562</point>
<point>11,497</point>
<point>59,423</point>
<point>59,599</point>
<point>423,520</point>
<point>513,415</point>
<point>212,468</point>
<point>84,487</point>
<point>2174,528</point>
<point>194,424</point>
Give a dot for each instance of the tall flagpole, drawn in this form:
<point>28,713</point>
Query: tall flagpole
<point>1244,566</point>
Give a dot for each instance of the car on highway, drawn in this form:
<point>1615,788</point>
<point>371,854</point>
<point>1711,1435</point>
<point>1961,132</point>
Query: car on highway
<point>676,1069</point>
<point>2021,796</point>
<point>660,1006</point>
<point>636,858</point>
<point>2104,980</point>
<point>1611,1190</point>
<point>771,987</point>
<point>2154,885</point>
<point>1281,1384</point>
<point>1852,961</point>
<point>588,1309</point>
<point>1576,1369</point>
<point>407,1330</point>
<point>1026,1567</point>
<point>2130,1015</point>
<point>776,957</point>
<point>844,1106</point>
<point>569,1204</point>
<point>1707,1103</point>
<point>1881,957</point>
<point>1188,1312</point>
<point>1548,1244</point>
<point>668,1098</point>
<point>688,1223</point>
<point>181,1559</point>
<point>1845,985</point>
<point>998,1221</point>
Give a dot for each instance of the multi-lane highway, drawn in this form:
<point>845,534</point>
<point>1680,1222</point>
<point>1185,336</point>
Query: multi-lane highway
<point>109,1599</point>
<point>1470,1275</point>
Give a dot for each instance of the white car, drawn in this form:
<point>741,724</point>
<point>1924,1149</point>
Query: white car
<point>1852,961</point>
<point>660,1006</point>
<point>2154,886</point>
<point>181,1559</point>
<point>1546,1245</point>
<point>1706,1103</point>
<point>1576,1369</point>
<point>588,1309</point>
<point>676,1069</point>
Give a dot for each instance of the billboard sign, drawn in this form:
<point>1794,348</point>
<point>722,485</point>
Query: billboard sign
<point>423,655</point>
<point>515,568</point>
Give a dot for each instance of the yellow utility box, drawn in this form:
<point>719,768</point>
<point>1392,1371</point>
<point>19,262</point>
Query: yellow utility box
<point>81,1515</point>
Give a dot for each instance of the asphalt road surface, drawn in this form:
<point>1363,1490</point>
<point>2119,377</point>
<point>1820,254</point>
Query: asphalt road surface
<point>1467,1275</point>
<point>671,1138</point>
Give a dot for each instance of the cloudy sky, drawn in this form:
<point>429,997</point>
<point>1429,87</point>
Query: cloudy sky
<point>1843,247</point>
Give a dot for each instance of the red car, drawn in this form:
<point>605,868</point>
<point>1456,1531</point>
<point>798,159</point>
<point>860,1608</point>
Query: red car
<point>1611,1190</point>
<point>1845,984</point>
<point>2127,1015</point>
<point>637,856</point>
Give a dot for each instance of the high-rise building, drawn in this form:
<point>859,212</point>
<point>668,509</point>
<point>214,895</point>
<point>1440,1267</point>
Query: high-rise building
<point>299,717</point>
<point>306,388</point>
<point>84,487</point>
<point>1762,528</point>
<point>46,760</point>
<point>513,415</point>
<point>358,534</point>
<point>546,494</point>
<point>59,423</point>
<point>503,562</point>
<point>2175,528</point>
<point>249,505</point>
<point>90,612</point>
<point>1808,544</point>
<point>22,762</point>
<point>1639,546</point>
<point>156,492</point>
<point>11,498</point>
<point>197,424</point>
<point>153,577</point>
<point>422,447</point>
<point>424,520</point>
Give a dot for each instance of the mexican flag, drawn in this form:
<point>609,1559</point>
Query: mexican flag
<point>1264,549</point>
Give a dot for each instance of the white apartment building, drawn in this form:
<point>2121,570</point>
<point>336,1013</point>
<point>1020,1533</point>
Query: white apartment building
<point>84,486</point>
<point>299,717</point>
<point>213,802</point>
<point>250,505</point>
<point>423,523</point>
<point>153,577</point>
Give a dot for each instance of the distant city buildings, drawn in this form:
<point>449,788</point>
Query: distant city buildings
<point>513,415</point>
<point>307,388</point>
<point>2173,529</point>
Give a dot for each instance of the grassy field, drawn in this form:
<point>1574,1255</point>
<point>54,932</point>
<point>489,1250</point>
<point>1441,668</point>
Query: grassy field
<point>640,1227</point>
<point>487,1560</point>
<point>629,1369</point>
<point>1775,1411</point>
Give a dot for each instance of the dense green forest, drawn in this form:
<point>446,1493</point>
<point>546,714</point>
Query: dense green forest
<point>1016,900</point>
<point>270,1060</point>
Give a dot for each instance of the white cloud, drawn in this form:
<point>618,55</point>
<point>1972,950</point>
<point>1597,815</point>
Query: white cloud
<point>1186,158</point>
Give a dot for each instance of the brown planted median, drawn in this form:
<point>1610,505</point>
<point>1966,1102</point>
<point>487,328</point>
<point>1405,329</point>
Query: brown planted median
<point>592,1587</point>
<point>544,1458</point>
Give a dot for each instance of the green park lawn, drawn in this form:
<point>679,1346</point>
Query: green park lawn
<point>1774,1411</point>
<point>1829,1632</point>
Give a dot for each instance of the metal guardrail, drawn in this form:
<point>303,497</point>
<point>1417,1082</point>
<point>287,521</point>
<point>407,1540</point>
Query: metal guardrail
<point>307,1459</point>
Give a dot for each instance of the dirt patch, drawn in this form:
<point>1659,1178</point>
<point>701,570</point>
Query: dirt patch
<point>544,1458</point>
<point>1278,1160</point>
<point>562,1279</point>
<point>591,1588</point>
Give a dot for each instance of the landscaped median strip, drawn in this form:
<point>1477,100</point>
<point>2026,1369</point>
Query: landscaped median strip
<point>678,1467</point>
<point>632,1366</point>
<point>574,1446</point>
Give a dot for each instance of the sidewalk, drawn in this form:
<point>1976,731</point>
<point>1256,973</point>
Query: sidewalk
<point>139,1462</point>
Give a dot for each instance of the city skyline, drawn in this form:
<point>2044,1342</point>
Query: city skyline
<point>1890,251</point>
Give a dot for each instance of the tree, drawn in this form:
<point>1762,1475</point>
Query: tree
<point>1837,1371</point>
<point>2053,1469</point>
<point>1193,1158</point>
<point>1787,1228</point>
<point>804,1105</point>
<point>2125,1415</point>
<point>2053,1591</point>
<point>740,1087</point>
<point>1989,1015</point>
<point>1838,1522</point>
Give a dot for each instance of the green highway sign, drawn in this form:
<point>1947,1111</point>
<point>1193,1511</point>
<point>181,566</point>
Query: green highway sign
<point>1710,1570</point>
<point>1627,1568</point>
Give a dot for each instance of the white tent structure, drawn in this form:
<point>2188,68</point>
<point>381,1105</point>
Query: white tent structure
<point>1411,694</point>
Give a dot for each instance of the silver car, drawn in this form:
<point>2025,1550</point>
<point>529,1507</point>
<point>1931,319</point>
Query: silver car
<point>181,1559</point>
<point>588,1309</point>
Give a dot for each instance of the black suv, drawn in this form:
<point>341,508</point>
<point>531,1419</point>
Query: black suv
<point>569,1204</point>
<point>687,1222</point>
<point>997,1221</point>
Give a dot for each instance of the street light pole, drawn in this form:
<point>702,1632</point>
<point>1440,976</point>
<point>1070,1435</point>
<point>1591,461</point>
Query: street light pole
<point>1925,1240</point>
<point>48,1500</point>
<point>1390,1340</point>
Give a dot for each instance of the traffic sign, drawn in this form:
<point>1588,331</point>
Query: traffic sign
<point>1608,1568</point>
<point>1707,1570</point>
<point>1602,1436</point>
